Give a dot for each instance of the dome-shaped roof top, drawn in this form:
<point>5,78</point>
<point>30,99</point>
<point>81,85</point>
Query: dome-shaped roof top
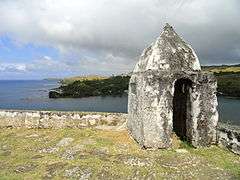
<point>169,52</point>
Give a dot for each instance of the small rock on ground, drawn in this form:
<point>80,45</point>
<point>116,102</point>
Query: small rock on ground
<point>25,168</point>
<point>77,172</point>
<point>64,142</point>
<point>70,153</point>
<point>49,150</point>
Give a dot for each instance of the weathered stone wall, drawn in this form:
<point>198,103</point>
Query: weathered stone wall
<point>151,94</point>
<point>56,120</point>
<point>205,114</point>
<point>151,108</point>
<point>168,53</point>
<point>229,137</point>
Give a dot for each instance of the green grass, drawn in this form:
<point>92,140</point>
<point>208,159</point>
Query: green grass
<point>222,68</point>
<point>70,80</point>
<point>106,155</point>
<point>112,86</point>
<point>229,85</point>
<point>228,78</point>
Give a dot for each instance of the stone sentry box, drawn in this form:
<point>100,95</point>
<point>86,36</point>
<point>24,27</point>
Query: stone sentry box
<point>169,93</point>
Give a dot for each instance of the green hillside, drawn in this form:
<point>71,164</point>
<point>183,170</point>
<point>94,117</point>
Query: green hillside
<point>112,86</point>
<point>223,68</point>
<point>228,78</point>
<point>70,80</point>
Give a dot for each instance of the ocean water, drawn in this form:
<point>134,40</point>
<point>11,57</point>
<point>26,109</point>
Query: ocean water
<point>33,95</point>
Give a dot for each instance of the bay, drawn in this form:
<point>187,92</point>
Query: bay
<point>33,95</point>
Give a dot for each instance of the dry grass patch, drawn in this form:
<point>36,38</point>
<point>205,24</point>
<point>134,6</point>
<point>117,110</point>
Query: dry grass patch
<point>97,154</point>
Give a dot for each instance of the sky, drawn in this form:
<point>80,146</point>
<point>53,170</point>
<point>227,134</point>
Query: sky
<point>59,38</point>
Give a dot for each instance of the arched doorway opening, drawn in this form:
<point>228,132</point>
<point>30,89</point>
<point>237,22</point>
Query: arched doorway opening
<point>181,107</point>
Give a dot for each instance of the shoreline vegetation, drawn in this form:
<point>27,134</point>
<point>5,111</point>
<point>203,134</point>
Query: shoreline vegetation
<point>228,78</point>
<point>112,86</point>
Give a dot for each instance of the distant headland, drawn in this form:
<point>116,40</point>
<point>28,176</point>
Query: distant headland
<point>228,78</point>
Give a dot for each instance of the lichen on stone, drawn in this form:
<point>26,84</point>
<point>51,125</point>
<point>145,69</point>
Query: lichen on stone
<point>167,65</point>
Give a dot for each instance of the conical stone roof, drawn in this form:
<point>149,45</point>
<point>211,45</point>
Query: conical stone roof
<point>168,53</point>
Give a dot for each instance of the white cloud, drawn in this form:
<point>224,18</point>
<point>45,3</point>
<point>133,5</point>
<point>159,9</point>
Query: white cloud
<point>45,63</point>
<point>48,64</point>
<point>108,35</point>
<point>12,67</point>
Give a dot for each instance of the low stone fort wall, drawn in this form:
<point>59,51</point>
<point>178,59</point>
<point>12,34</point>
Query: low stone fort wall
<point>57,119</point>
<point>228,136</point>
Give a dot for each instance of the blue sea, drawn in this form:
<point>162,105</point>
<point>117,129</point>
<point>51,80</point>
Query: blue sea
<point>33,95</point>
